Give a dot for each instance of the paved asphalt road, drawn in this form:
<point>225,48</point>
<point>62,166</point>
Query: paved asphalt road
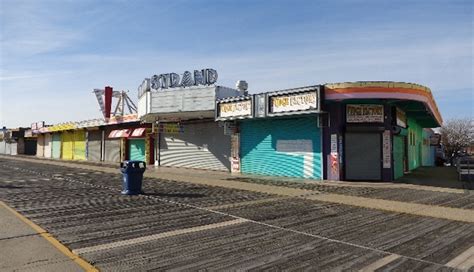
<point>184,226</point>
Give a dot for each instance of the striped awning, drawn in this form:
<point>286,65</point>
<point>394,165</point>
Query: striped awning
<point>138,132</point>
<point>119,133</point>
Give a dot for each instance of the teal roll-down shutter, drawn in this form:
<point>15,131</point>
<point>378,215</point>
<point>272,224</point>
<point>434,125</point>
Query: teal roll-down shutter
<point>137,149</point>
<point>282,147</point>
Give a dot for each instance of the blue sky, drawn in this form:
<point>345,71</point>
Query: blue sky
<point>53,53</point>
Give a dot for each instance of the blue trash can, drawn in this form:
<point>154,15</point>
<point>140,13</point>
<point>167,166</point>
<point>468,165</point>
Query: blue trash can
<point>132,172</point>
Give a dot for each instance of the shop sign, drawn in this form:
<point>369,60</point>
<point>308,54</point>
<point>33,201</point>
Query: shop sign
<point>171,128</point>
<point>401,118</point>
<point>29,133</point>
<point>235,109</point>
<point>361,113</point>
<point>386,149</point>
<point>172,80</point>
<point>260,105</point>
<point>294,102</point>
<point>35,127</point>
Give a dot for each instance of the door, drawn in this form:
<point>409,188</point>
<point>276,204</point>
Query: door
<point>56,146</point>
<point>398,156</point>
<point>112,150</point>
<point>67,145</point>
<point>136,149</point>
<point>47,145</point>
<point>30,147</point>
<point>14,149</point>
<point>79,145</point>
<point>363,156</point>
<point>94,145</point>
<point>281,147</point>
<point>40,145</point>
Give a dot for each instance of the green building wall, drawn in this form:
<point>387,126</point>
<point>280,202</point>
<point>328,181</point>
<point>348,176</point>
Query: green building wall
<point>398,154</point>
<point>415,143</point>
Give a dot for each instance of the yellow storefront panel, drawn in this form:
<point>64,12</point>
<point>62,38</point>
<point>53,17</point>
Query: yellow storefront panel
<point>79,145</point>
<point>67,144</point>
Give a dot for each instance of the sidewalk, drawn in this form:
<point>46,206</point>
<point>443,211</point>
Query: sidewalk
<point>25,248</point>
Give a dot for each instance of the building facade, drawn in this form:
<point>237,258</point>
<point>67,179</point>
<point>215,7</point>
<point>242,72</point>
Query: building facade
<point>182,118</point>
<point>376,129</point>
<point>278,133</point>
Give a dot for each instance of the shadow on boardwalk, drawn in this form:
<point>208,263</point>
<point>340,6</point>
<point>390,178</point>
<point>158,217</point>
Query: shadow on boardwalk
<point>446,177</point>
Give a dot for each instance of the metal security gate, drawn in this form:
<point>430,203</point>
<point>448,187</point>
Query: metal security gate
<point>281,147</point>
<point>112,150</point>
<point>363,156</point>
<point>56,146</point>
<point>40,145</point>
<point>94,145</point>
<point>67,145</point>
<point>79,145</point>
<point>47,145</point>
<point>199,145</point>
<point>30,147</point>
<point>136,149</point>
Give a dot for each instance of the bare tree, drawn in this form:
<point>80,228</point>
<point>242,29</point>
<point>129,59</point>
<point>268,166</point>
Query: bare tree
<point>456,134</point>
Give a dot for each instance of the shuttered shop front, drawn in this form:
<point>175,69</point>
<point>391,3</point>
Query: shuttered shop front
<point>30,147</point>
<point>363,156</point>
<point>79,145</point>
<point>40,145</point>
<point>136,149</point>
<point>281,147</point>
<point>112,149</point>
<point>197,145</point>
<point>94,143</point>
<point>47,145</point>
<point>55,146</point>
<point>67,145</point>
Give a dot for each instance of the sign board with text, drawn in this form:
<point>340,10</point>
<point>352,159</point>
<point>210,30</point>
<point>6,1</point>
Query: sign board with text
<point>401,118</point>
<point>364,113</point>
<point>303,100</point>
<point>238,109</point>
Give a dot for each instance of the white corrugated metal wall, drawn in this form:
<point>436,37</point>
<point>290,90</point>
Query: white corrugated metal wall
<point>201,145</point>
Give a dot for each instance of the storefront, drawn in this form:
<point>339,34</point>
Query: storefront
<point>113,144</point>
<point>194,144</point>
<point>181,110</point>
<point>94,145</point>
<point>136,144</point>
<point>29,143</point>
<point>47,145</point>
<point>280,132</point>
<point>40,146</point>
<point>67,145</point>
<point>56,145</point>
<point>376,129</point>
